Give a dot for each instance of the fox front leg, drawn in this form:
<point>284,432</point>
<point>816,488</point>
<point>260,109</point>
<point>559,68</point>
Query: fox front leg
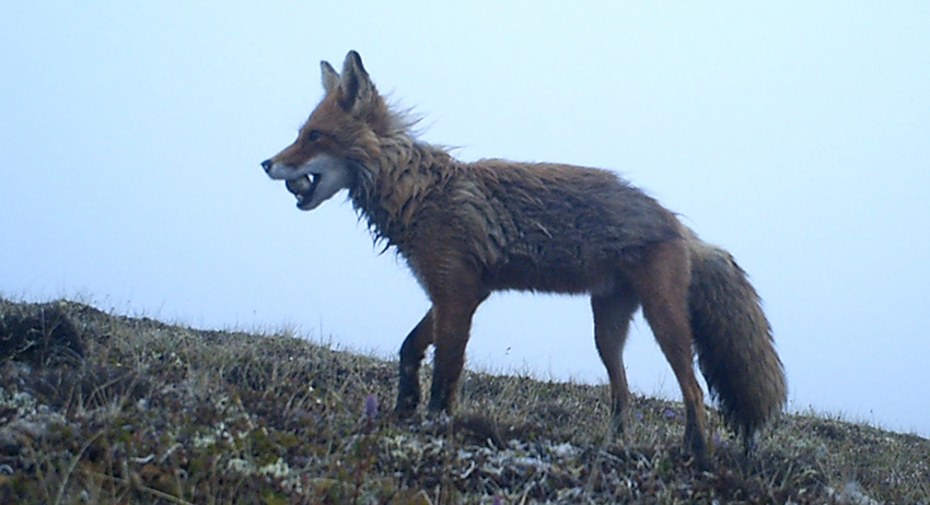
<point>411,354</point>
<point>452,328</point>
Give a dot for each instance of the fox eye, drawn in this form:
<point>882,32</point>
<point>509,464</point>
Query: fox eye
<point>314,135</point>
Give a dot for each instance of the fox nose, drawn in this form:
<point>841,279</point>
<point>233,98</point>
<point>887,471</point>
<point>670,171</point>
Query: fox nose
<point>267,165</point>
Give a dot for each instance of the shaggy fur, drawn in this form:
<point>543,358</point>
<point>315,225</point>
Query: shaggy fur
<point>467,229</point>
<point>733,340</point>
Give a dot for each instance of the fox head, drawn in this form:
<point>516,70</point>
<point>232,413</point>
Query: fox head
<point>338,140</point>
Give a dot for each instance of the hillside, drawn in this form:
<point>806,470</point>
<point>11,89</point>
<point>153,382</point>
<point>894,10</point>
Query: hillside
<point>98,408</point>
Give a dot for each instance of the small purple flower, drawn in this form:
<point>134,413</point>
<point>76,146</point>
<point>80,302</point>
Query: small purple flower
<point>497,500</point>
<point>371,407</point>
<point>669,414</point>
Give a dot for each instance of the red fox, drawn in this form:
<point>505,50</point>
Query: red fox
<point>467,229</point>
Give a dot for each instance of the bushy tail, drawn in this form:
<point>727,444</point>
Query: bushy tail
<point>733,340</point>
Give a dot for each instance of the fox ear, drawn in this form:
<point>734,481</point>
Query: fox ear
<point>356,85</point>
<point>330,77</point>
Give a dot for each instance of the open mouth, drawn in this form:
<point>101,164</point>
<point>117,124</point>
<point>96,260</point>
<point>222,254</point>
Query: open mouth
<point>303,188</point>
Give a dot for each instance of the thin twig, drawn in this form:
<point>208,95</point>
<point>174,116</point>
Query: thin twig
<point>140,487</point>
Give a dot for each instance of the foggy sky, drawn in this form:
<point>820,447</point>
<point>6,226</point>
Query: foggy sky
<point>795,136</point>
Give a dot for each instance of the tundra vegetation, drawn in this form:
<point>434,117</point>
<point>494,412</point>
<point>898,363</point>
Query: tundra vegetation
<point>103,408</point>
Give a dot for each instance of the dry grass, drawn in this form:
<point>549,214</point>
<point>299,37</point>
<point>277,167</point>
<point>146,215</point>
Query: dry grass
<point>96,408</point>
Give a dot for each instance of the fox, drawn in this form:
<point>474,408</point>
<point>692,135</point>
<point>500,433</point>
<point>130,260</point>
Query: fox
<point>467,229</point>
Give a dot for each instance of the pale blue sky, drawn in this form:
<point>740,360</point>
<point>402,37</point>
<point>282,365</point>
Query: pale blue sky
<point>796,136</point>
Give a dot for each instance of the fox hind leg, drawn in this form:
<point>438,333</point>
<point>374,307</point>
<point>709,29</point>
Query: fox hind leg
<point>612,315</point>
<point>661,284</point>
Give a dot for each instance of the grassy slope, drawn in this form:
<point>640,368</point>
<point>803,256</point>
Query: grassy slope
<point>96,408</point>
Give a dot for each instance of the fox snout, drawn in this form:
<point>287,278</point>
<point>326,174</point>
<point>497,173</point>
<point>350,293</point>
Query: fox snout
<point>314,181</point>
<point>280,171</point>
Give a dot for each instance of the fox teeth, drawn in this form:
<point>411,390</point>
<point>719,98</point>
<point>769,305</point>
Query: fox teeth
<point>300,185</point>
